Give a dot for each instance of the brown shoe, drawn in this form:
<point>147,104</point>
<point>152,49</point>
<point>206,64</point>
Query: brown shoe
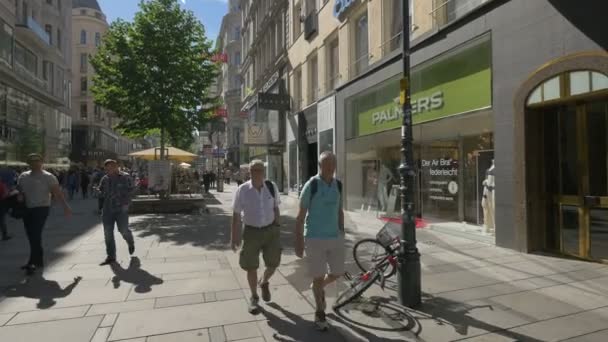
<point>265,291</point>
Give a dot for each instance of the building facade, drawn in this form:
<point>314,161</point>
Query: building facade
<point>509,101</point>
<point>229,42</point>
<point>35,61</point>
<point>264,73</point>
<point>93,136</point>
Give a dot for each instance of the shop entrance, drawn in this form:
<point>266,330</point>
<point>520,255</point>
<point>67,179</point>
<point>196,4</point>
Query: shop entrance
<point>567,172</point>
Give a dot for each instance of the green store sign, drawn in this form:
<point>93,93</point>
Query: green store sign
<point>457,83</point>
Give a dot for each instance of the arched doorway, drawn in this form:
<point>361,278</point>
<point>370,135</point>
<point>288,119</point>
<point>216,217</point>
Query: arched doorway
<point>566,164</point>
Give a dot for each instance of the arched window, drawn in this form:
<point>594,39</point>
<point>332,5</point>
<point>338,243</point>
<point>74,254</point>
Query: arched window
<point>83,37</point>
<point>573,83</point>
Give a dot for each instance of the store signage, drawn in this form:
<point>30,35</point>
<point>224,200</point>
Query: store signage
<point>273,101</point>
<point>221,112</point>
<point>342,6</point>
<point>220,58</point>
<point>441,174</point>
<point>257,133</point>
<point>458,83</point>
<point>424,104</point>
<point>271,81</point>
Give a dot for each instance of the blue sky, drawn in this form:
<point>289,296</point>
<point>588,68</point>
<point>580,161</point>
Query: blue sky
<point>209,12</point>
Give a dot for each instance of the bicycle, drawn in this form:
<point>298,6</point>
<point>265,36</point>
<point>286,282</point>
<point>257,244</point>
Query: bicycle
<point>384,261</point>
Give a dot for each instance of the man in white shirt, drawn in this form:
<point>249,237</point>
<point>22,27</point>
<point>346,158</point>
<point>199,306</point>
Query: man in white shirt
<point>256,205</point>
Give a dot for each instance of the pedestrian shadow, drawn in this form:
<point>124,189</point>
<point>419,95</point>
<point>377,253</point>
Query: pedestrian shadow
<point>141,279</point>
<point>46,291</point>
<point>295,328</point>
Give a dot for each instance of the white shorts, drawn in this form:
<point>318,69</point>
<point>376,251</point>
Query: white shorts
<point>321,253</point>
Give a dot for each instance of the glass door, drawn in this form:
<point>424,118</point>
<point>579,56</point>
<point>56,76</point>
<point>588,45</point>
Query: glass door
<point>582,201</point>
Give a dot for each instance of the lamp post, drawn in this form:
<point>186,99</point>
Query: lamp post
<point>409,266</point>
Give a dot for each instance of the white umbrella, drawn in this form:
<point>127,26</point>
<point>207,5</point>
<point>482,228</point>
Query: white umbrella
<point>185,165</point>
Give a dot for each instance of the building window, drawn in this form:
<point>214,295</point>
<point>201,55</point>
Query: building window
<point>361,45</point>
<point>97,110</point>
<point>334,65</point>
<point>297,89</point>
<point>98,15</point>
<point>83,12</point>
<point>237,33</point>
<point>26,58</point>
<point>313,79</point>
<point>83,111</point>
<point>297,22</point>
<point>6,43</point>
<point>83,37</point>
<point>59,39</point>
<point>84,62</point>
<point>50,2</point>
<point>84,84</point>
<point>49,30</point>
<point>237,58</point>
<point>48,72</point>
<point>396,26</point>
<point>97,39</point>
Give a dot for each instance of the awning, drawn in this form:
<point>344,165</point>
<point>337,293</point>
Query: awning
<point>171,152</point>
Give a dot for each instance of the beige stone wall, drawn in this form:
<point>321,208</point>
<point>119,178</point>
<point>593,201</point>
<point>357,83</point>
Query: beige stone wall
<point>91,25</point>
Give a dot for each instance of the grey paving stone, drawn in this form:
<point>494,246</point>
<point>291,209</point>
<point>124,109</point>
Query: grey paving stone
<point>49,315</point>
<point>133,305</point>
<point>242,331</point>
<point>68,330</point>
<point>534,305</point>
<point>201,335</point>
<point>227,295</point>
<point>186,275</point>
<point>108,320</point>
<point>599,336</point>
<point>179,300</point>
<point>189,286</point>
<point>210,297</point>
<point>5,318</point>
<point>101,335</point>
<point>179,318</point>
<point>566,327</point>
<point>216,334</point>
<point>77,297</point>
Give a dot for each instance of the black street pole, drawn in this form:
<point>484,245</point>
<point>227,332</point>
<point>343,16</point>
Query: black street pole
<point>409,266</point>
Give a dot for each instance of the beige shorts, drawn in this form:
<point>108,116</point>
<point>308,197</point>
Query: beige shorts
<point>321,253</point>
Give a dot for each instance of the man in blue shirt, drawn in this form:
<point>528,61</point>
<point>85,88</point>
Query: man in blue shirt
<point>321,220</point>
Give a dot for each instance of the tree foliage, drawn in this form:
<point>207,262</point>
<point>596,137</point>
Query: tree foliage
<point>156,72</point>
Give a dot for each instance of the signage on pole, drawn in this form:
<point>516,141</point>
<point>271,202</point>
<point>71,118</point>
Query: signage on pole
<point>257,133</point>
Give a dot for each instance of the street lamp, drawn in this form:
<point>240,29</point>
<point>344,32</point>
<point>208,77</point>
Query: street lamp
<point>409,266</point>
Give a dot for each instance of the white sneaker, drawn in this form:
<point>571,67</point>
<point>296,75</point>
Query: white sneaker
<point>254,305</point>
<point>321,321</point>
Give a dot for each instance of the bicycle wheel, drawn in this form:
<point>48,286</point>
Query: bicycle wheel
<point>356,289</point>
<point>368,253</point>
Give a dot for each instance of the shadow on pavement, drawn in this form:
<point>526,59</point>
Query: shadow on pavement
<point>141,279</point>
<point>46,291</point>
<point>57,233</point>
<point>387,315</point>
<point>295,328</point>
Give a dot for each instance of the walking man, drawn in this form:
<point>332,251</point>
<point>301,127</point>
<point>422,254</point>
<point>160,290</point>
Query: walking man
<point>35,187</point>
<point>256,204</point>
<point>116,189</point>
<point>321,220</point>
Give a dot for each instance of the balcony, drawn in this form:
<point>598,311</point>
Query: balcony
<point>311,25</point>
<point>30,28</point>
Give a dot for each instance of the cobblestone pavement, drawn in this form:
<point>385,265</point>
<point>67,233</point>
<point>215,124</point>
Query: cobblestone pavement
<point>184,284</point>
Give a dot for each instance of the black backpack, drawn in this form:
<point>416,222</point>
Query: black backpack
<point>314,187</point>
<point>270,187</point>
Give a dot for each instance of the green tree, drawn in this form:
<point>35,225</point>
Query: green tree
<point>156,72</point>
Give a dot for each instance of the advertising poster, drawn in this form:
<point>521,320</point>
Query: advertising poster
<point>159,174</point>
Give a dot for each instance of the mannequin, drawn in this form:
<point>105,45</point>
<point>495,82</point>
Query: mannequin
<point>487,202</point>
<point>385,175</point>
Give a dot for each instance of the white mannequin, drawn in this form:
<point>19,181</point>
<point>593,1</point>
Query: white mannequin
<point>385,175</point>
<point>487,202</point>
